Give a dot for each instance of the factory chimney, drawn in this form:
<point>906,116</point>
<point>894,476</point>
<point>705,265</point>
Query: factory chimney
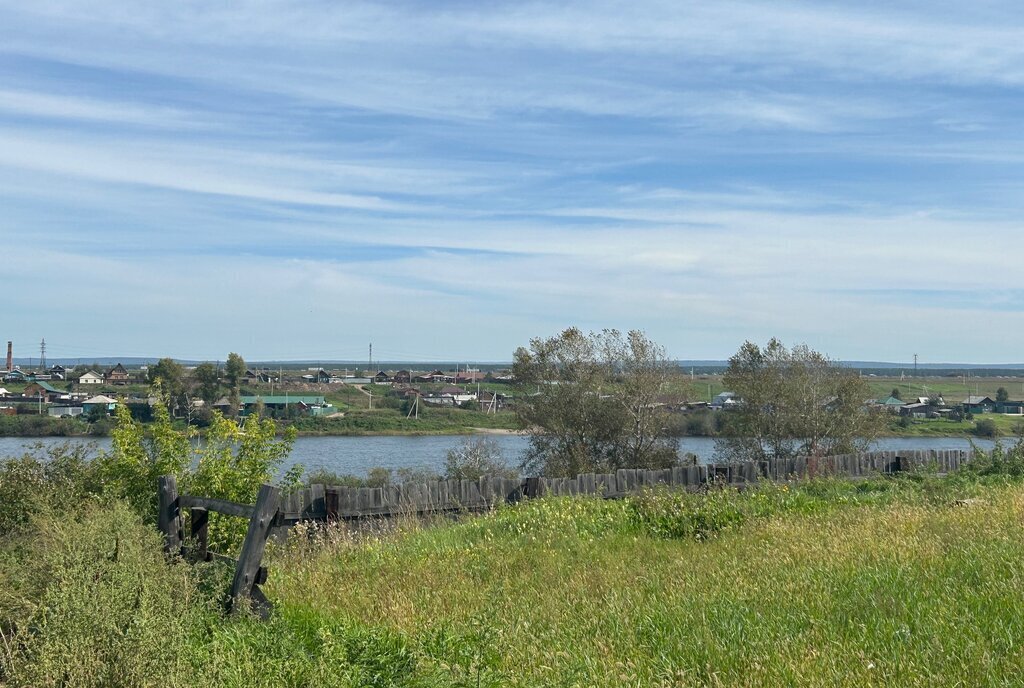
<point>10,357</point>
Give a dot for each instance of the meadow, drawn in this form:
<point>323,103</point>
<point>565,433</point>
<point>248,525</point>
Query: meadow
<point>911,580</point>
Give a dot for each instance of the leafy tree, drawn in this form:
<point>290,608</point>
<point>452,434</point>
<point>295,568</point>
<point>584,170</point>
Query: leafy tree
<point>589,401</point>
<point>1002,394</point>
<point>895,393</point>
<point>206,382</point>
<point>795,402</point>
<point>475,458</point>
<point>234,370</point>
<point>167,377</point>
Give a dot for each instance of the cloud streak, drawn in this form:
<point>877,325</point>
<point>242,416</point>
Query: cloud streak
<point>469,176</point>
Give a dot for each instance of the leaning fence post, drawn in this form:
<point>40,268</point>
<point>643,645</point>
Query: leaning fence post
<point>247,573</point>
<point>169,516</point>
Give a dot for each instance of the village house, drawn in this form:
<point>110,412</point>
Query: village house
<point>90,378</point>
<point>890,404</point>
<point>402,377</point>
<point>978,404</point>
<point>321,377</point>
<point>725,400</point>
<point>99,402</point>
<point>16,375</point>
<point>44,389</point>
<point>117,376</point>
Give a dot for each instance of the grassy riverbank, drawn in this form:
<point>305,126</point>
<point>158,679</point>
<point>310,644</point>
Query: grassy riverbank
<point>907,581</point>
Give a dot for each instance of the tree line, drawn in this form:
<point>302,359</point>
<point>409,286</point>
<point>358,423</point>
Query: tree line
<point>600,401</point>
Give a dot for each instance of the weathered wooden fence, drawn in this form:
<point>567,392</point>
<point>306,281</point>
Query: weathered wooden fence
<point>320,503</point>
<point>263,517</point>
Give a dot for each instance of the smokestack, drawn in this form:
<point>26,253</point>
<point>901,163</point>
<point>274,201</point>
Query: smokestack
<point>10,356</point>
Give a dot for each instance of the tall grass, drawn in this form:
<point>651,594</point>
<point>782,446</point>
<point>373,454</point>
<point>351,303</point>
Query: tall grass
<point>883,582</point>
<point>888,581</point>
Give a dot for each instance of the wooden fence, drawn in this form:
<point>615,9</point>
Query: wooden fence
<point>319,503</point>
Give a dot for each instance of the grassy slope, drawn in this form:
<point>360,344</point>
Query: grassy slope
<point>901,590</point>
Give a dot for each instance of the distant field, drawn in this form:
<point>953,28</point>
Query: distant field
<point>954,390</point>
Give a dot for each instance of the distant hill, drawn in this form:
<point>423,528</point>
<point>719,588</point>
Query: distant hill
<point>699,366</point>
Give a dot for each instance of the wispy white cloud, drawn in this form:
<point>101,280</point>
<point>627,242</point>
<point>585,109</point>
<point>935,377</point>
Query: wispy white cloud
<point>707,171</point>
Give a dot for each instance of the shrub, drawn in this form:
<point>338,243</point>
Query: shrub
<point>475,458</point>
<point>986,428</point>
<point>232,463</point>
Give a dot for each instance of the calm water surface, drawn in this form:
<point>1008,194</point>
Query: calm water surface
<point>357,455</point>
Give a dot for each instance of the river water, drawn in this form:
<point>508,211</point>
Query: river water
<point>357,455</point>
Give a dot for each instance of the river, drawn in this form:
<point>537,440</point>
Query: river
<point>357,455</point>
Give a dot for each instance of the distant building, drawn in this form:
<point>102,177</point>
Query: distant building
<point>725,400</point>
<point>100,401</point>
<point>890,404</point>
<point>15,376</point>
<point>117,375</point>
<point>1013,408</point>
<point>305,404</point>
<point>402,377</point>
<point>978,404</point>
<point>90,378</point>
<point>65,410</point>
<point>44,389</point>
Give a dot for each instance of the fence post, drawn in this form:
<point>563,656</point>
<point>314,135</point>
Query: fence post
<point>248,573</point>
<point>200,532</point>
<point>169,515</point>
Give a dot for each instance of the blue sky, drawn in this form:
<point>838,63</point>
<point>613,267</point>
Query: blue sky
<point>295,180</point>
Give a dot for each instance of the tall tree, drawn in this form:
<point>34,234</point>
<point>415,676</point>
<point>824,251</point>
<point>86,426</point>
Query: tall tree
<point>168,377</point>
<point>589,401</point>
<point>1002,394</point>
<point>794,402</point>
<point>234,370</point>
<point>206,382</point>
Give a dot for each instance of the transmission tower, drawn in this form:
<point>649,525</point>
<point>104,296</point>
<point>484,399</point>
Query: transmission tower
<point>42,354</point>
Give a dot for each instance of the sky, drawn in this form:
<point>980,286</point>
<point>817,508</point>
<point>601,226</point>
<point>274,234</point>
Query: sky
<point>446,180</point>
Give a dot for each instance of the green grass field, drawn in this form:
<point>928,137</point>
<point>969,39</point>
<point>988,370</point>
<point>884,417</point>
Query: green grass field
<point>911,581</point>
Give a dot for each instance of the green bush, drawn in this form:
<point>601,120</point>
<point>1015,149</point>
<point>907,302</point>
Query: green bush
<point>232,463</point>
<point>56,480</point>
<point>986,428</point>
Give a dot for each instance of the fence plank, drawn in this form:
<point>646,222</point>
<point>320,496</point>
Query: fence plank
<point>255,543</point>
<point>318,501</point>
<point>200,531</point>
<point>169,516</point>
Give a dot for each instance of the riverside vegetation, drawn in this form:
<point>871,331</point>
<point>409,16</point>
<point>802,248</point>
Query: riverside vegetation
<point>911,580</point>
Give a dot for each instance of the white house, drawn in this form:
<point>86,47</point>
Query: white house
<point>90,378</point>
